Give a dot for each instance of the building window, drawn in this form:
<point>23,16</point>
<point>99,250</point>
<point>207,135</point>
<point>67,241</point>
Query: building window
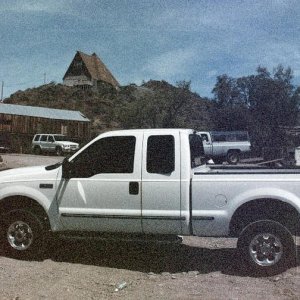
<point>64,129</point>
<point>39,127</point>
<point>78,64</point>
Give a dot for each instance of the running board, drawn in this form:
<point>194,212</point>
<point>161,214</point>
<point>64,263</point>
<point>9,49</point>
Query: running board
<point>142,238</point>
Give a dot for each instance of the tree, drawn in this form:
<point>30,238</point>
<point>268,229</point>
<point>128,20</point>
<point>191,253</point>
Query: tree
<point>158,104</point>
<point>262,103</point>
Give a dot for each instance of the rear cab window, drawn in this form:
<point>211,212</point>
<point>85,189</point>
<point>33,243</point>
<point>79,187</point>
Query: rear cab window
<point>197,150</point>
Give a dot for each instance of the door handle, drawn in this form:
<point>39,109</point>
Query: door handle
<point>133,188</point>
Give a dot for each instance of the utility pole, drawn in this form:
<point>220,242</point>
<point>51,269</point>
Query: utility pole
<point>45,78</point>
<point>2,85</point>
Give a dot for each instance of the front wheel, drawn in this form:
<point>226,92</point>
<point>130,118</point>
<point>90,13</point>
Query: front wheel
<point>59,151</point>
<point>267,247</point>
<point>37,150</point>
<point>21,234</point>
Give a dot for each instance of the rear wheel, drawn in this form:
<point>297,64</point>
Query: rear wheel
<point>233,157</point>
<point>267,247</point>
<point>21,234</point>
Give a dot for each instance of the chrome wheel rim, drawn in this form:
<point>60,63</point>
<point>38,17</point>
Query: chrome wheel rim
<point>233,158</point>
<point>19,235</point>
<point>266,249</point>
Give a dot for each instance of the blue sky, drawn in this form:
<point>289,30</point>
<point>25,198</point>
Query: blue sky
<point>147,39</point>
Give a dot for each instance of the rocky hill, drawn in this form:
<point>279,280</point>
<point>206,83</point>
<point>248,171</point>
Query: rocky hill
<point>153,104</point>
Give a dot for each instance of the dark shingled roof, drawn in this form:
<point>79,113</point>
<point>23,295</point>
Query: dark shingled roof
<point>96,68</point>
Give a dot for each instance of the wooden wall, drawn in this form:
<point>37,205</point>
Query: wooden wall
<point>23,128</point>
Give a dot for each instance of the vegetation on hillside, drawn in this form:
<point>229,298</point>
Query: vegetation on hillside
<point>152,105</point>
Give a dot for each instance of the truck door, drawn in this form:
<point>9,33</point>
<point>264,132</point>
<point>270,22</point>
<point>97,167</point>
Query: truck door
<point>161,184</point>
<point>104,192</point>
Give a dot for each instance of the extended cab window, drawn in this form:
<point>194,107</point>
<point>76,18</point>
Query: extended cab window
<point>107,155</point>
<point>161,154</point>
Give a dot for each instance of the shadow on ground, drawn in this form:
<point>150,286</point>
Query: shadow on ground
<point>156,258</point>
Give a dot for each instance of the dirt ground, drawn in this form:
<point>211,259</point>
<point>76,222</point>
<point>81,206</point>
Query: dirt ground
<point>199,268</point>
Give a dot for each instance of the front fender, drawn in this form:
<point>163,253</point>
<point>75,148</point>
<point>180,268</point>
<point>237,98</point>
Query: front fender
<point>29,192</point>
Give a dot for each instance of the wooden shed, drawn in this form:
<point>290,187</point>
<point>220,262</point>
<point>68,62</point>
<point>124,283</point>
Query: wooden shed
<point>19,123</point>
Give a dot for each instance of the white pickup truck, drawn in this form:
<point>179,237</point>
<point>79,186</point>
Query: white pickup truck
<point>225,145</point>
<point>152,182</point>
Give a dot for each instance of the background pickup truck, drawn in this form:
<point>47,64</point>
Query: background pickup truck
<point>225,145</point>
<point>152,183</point>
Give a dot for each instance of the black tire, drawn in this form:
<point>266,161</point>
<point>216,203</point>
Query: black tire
<point>22,234</point>
<point>37,150</point>
<point>218,160</point>
<point>233,157</point>
<point>266,247</point>
<point>58,151</point>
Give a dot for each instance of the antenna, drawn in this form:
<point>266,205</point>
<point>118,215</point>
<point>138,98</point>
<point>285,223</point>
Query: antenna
<point>2,91</point>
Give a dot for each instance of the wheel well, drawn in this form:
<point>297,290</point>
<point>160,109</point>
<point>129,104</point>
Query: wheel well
<point>21,202</point>
<point>260,209</point>
<point>234,150</point>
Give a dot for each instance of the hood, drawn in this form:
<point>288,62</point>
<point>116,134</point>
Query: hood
<point>28,174</point>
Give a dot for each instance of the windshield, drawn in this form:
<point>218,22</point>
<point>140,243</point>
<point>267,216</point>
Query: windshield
<point>197,150</point>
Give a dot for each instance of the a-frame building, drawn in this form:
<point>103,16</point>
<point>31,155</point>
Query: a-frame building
<point>88,71</point>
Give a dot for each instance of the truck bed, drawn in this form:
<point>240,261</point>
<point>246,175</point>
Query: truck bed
<point>245,169</point>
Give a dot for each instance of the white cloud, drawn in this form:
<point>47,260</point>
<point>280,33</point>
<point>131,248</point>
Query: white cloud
<point>170,63</point>
<point>212,73</point>
<point>35,6</point>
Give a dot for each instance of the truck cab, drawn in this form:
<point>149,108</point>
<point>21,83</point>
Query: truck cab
<point>132,181</point>
<point>225,145</point>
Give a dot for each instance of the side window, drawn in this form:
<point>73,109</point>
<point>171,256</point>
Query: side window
<point>37,137</point>
<point>204,137</point>
<point>160,154</point>
<point>43,138</point>
<point>107,155</point>
<point>51,139</point>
